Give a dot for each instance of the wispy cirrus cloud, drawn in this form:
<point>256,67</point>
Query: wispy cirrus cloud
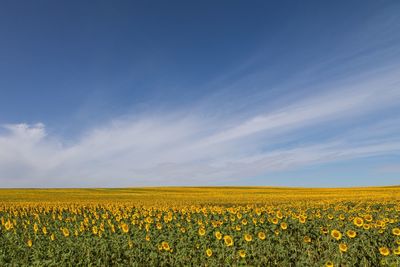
<point>186,148</point>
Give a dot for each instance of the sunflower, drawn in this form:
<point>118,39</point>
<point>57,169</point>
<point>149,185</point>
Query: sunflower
<point>329,264</point>
<point>396,231</point>
<point>218,235</point>
<point>368,218</point>
<point>8,225</point>
<point>228,240</point>
<point>336,234</point>
<point>248,237</point>
<point>165,246</point>
<point>275,220</point>
<point>342,247</point>
<point>307,239</point>
<point>44,230</point>
<point>242,253</point>
<point>202,231</point>
<point>125,228</point>
<point>209,252</point>
<point>52,237</point>
<point>358,221</point>
<point>279,214</point>
<point>244,222</point>
<point>284,226</point>
<point>29,243</point>
<point>351,233</point>
<point>302,219</point>
<point>384,251</point>
<point>65,232</point>
<point>95,230</point>
<point>261,235</point>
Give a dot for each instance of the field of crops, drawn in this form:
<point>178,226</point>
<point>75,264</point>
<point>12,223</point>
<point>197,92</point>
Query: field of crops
<point>258,226</point>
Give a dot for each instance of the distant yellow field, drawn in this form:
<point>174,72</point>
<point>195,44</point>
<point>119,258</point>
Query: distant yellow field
<point>206,226</point>
<point>201,195</point>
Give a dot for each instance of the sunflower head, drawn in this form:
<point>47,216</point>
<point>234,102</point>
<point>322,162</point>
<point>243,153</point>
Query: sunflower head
<point>228,240</point>
<point>261,235</point>
<point>209,252</point>
<point>248,237</point>
<point>342,247</point>
<point>351,233</point>
<point>384,251</point>
<point>336,234</point>
<point>165,246</point>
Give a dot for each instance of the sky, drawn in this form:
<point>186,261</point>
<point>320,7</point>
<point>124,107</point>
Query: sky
<point>165,93</point>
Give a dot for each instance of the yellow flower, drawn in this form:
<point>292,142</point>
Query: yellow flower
<point>44,230</point>
<point>284,226</point>
<point>209,252</point>
<point>261,235</point>
<point>384,251</point>
<point>336,234</point>
<point>396,251</point>
<point>366,226</point>
<point>218,235</point>
<point>248,237</point>
<point>228,241</point>
<point>52,237</point>
<point>125,227</point>
<point>65,232</point>
<point>202,231</point>
<point>351,233</point>
<point>307,239</point>
<point>343,247</point>
<point>329,264</point>
<point>29,243</point>
<point>368,218</point>
<point>302,219</point>
<point>95,230</point>
<point>8,225</point>
<point>358,221</point>
<point>275,221</point>
<point>35,227</point>
<point>242,253</point>
<point>279,214</point>
<point>396,231</point>
<point>165,246</point>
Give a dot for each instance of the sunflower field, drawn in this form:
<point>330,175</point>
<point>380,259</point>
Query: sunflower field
<point>179,226</point>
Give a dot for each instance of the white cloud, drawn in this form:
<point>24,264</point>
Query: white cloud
<point>185,148</point>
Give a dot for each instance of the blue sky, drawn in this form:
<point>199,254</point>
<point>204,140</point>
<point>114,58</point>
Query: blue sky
<point>124,93</point>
